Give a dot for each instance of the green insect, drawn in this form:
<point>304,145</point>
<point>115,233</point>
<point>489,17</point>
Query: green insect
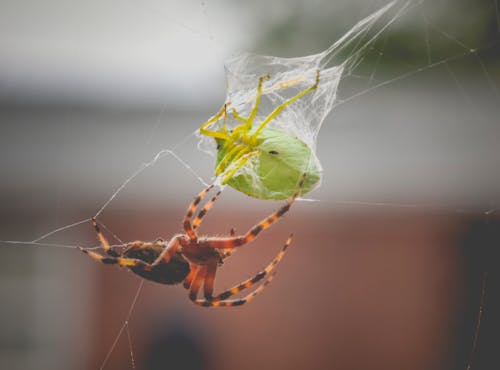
<point>261,161</point>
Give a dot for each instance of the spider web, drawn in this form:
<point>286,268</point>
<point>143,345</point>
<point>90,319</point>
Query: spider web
<point>357,44</point>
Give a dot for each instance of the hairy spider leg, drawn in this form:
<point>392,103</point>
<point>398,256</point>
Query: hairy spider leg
<point>103,240</point>
<point>120,261</point>
<point>198,279</point>
<point>171,248</point>
<point>208,284</point>
<point>221,300</point>
<point>204,210</point>
<point>282,106</point>
<point>187,281</point>
<point>192,207</point>
<point>114,257</point>
<point>238,241</point>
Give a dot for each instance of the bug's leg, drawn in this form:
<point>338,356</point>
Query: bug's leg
<point>237,165</point>
<point>208,285</point>
<point>221,300</point>
<point>255,109</point>
<point>247,122</point>
<point>237,116</point>
<point>238,241</point>
<point>198,279</point>
<point>120,261</point>
<point>187,219</point>
<point>224,127</point>
<point>216,134</point>
<point>282,106</point>
<point>257,101</point>
<point>103,240</point>
<point>204,210</point>
<point>233,155</point>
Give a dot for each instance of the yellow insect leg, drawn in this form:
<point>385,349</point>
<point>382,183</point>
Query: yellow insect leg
<point>247,122</point>
<point>221,135</point>
<point>255,109</point>
<point>238,117</point>
<point>237,165</point>
<point>233,155</point>
<point>278,109</point>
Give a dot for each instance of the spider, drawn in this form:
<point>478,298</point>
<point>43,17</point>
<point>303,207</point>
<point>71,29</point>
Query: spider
<point>194,259</point>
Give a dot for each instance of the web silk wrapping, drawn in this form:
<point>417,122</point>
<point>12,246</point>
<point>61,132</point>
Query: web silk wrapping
<point>301,119</point>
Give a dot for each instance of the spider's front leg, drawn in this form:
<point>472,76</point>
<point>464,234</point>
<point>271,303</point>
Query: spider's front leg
<point>120,261</point>
<point>188,228</point>
<point>113,257</point>
<point>103,240</point>
<point>204,210</point>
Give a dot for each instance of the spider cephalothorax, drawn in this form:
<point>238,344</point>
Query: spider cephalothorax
<point>191,259</point>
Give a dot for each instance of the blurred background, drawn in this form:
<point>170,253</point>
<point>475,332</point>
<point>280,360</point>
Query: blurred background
<point>386,267</point>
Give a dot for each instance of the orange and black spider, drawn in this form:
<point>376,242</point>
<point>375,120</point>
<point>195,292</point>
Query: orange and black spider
<point>191,259</point>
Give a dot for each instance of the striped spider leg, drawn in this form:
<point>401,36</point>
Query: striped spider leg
<point>221,300</point>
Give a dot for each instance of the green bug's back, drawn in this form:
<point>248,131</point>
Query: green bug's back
<point>276,170</point>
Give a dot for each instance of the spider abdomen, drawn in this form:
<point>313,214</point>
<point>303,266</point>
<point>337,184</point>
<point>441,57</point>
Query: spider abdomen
<point>173,272</point>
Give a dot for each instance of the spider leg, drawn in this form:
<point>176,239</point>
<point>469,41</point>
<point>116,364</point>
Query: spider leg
<point>198,279</point>
<point>187,281</point>
<point>168,251</point>
<point>238,241</point>
<point>235,302</point>
<point>204,210</point>
<point>187,219</point>
<point>128,262</point>
<point>282,106</point>
<point>103,240</point>
<point>208,285</point>
<point>221,300</point>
